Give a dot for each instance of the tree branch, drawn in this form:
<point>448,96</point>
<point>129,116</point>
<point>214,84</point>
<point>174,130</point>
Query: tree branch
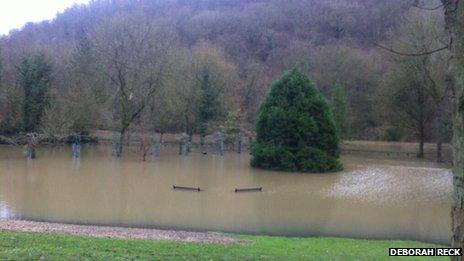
<point>391,50</point>
<point>416,5</point>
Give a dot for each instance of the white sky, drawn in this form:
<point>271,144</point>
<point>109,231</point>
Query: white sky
<point>16,13</point>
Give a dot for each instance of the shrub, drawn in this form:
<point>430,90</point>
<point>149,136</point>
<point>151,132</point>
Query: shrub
<point>315,160</point>
<point>295,128</point>
<point>274,157</point>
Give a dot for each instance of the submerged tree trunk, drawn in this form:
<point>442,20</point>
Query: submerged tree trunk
<point>122,137</point>
<point>145,145</point>
<point>454,22</point>
<point>420,154</point>
<point>117,150</point>
<point>202,140</point>
<point>439,151</point>
<point>31,145</point>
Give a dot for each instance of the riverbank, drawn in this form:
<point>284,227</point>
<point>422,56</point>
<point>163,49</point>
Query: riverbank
<point>52,246</point>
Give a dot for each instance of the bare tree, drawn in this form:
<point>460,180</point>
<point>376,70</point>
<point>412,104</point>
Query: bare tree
<point>415,86</point>
<point>134,54</point>
<point>205,82</point>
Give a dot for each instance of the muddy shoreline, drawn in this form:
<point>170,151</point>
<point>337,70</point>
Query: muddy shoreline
<point>118,232</point>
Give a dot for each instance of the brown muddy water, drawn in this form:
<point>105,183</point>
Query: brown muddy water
<point>372,198</point>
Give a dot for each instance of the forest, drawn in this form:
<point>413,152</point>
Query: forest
<point>195,67</point>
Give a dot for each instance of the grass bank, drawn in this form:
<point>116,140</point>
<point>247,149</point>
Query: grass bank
<point>35,246</point>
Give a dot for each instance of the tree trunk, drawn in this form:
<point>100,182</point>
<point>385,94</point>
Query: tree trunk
<point>454,22</point>
<point>31,146</point>
<point>439,151</point>
<point>190,142</point>
<point>420,154</point>
<point>439,126</point>
<point>421,124</point>
<point>187,121</point>
<point>119,145</point>
<point>202,140</point>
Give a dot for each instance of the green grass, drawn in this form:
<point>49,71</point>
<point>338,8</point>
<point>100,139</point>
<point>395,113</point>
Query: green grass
<point>27,246</point>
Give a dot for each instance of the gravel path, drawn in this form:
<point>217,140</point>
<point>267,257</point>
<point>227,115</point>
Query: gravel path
<point>118,232</point>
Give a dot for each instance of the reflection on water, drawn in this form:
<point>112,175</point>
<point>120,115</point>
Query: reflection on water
<point>372,198</point>
<point>5,211</point>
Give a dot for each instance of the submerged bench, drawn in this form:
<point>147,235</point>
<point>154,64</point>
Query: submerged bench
<point>186,188</point>
<point>237,190</point>
<point>249,190</point>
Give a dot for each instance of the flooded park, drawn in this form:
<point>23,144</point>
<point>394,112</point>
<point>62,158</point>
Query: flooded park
<point>373,198</point>
<point>231,129</point>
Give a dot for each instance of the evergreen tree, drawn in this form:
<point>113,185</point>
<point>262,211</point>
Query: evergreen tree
<point>34,78</point>
<point>341,110</point>
<point>209,104</point>
<point>232,126</point>
<point>295,128</point>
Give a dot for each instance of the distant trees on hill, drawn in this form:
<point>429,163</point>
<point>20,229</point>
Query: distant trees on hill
<point>183,66</point>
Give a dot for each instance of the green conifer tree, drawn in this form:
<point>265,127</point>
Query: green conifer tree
<point>209,107</point>
<point>341,111</point>
<point>34,78</point>
<point>295,128</point>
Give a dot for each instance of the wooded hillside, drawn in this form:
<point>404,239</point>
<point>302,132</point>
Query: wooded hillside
<point>192,65</point>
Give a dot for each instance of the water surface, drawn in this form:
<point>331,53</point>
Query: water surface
<point>372,198</point>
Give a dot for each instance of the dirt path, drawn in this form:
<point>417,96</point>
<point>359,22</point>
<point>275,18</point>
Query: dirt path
<point>117,232</point>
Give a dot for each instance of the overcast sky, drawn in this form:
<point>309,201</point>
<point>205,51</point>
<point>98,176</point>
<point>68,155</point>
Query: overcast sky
<point>15,13</point>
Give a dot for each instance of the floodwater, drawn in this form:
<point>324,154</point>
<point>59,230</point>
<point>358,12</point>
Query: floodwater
<point>372,198</point>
